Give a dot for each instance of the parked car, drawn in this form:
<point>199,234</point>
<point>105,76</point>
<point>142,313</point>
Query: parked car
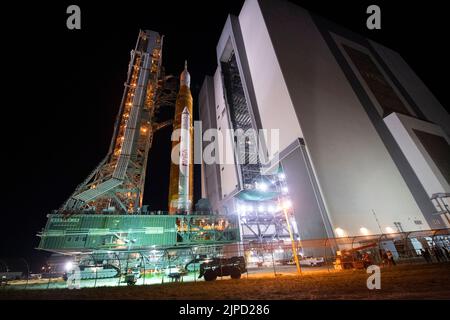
<point>312,261</point>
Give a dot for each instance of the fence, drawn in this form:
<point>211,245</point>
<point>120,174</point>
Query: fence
<point>267,258</point>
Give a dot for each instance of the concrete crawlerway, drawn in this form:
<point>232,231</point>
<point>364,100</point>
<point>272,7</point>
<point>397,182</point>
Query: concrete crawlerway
<point>420,281</point>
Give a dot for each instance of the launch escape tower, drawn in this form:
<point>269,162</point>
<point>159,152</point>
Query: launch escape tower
<point>105,211</point>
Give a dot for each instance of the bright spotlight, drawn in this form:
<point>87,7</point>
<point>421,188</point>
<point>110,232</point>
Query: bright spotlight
<point>340,232</point>
<point>69,266</point>
<point>364,231</point>
<point>281,176</point>
<point>271,209</point>
<point>389,230</point>
<point>249,208</point>
<point>287,204</point>
<point>261,208</point>
<point>262,186</point>
<point>285,190</point>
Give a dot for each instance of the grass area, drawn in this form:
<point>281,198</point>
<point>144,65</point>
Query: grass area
<point>400,282</point>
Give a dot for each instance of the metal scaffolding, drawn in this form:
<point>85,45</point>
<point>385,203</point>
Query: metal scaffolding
<point>116,185</point>
<point>257,225</point>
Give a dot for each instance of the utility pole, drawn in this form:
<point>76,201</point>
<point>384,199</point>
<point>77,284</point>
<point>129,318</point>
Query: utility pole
<point>294,248</point>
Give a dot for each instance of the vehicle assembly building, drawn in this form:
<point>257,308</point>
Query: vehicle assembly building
<point>363,144</point>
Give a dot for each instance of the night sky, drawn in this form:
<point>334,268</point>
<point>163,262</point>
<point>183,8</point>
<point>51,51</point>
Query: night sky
<point>61,88</point>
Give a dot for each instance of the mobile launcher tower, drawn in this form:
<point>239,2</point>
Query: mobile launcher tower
<point>104,219</point>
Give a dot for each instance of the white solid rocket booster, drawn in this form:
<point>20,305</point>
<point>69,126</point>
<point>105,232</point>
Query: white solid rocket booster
<point>185,152</point>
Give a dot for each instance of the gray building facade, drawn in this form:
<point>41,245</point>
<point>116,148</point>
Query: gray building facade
<point>362,142</point>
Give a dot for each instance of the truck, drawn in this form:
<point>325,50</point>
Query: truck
<point>212,268</point>
<point>355,258</point>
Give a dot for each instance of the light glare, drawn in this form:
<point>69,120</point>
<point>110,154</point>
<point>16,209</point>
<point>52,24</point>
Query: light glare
<point>364,231</point>
<point>287,204</point>
<point>340,232</point>
<point>262,186</point>
<point>389,230</point>
<point>69,266</point>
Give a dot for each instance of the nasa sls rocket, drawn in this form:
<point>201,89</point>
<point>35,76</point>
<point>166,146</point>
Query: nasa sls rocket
<point>181,187</point>
<point>185,151</point>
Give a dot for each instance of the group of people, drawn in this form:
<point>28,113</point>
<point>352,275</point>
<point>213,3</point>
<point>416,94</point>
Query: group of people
<point>388,258</point>
<point>440,254</point>
<point>367,259</point>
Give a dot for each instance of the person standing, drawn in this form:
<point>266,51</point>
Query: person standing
<point>430,257</point>
<point>447,253</point>
<point>437,253</point>
<point>384,258</point>
<point>424,255</point>
<point>390,258</point>
<point>367,260</point>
